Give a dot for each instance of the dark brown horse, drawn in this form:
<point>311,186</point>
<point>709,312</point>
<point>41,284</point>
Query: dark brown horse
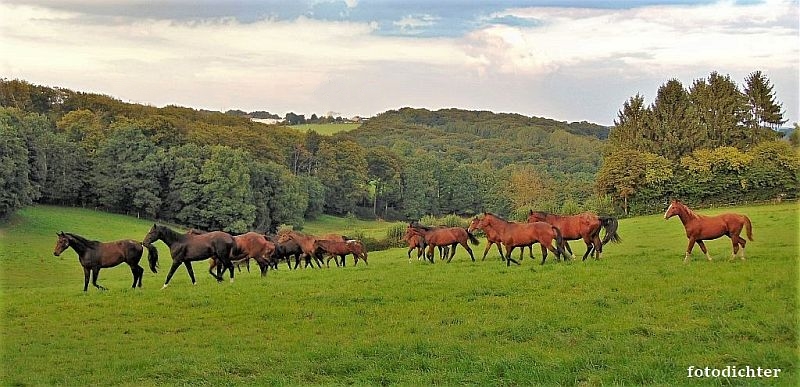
<point>700,228</point>
<point>514,235</point>
<point>584,226</point>
<point>251,245</point>
<point>340,249</point>
<point>94,255</point>
<point>445,236</point>
<point>284,251</point>
<point>186,248</point>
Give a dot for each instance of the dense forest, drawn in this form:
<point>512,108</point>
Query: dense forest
<point>211,170</point>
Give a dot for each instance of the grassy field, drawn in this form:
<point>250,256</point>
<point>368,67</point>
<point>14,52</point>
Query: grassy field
<point>326,129</point>
<point>637,317</point>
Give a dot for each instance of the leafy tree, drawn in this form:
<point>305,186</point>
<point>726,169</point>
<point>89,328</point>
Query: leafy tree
<point>343,172</point>
<point>15,187</point>
<point>634,177</point>
<point>383,172</point>
<point>83,127</point>
<point>127,171</point>
<point>226,191</point>
<point>68,171</point>
<point>420,187</point>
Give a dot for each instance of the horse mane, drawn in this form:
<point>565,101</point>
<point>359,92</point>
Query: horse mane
<point>496,216</point>
<point>83,241</point>
<point>689,211</point>
<point>539,213</point>
<point>419,225</point>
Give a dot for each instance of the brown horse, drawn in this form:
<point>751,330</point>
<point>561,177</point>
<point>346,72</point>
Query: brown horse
<point>94,255</point>
<point>414,242</point>
<point>445,236</point>
<point>250,245</point>
<point>514,235</point>
<point>340,249</point>
<point>700,228</point>
<point>186,248</point>
<point>584,226</point>
<point>306,243</point>
<point>494,239</point>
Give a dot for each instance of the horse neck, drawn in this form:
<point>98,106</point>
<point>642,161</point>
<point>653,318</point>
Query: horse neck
<point>79,243</point>
<point>686,215</point>
<point>170,236</point>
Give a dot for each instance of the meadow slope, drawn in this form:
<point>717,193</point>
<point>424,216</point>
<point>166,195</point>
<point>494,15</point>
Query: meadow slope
<point>638,316</point>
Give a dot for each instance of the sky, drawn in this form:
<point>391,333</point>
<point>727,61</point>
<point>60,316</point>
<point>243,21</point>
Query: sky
<point>571,60</point>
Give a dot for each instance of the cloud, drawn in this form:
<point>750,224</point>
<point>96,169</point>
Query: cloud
<point>346,56</point>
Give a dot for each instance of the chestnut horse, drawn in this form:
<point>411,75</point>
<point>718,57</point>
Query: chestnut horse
<point>584,226</point>
<point>340,249</point>
<point>700,228</point>
<point>492,238</point>
<point>514,235</point>
<point>445,236</point>
<point>186,248</point>
<point>94,255</point>
<point>250,245</point>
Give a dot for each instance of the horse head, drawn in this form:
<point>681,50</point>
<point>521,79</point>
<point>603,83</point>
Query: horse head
<point>675,207</point>
<point>61,244</point>
<point>153,235</point>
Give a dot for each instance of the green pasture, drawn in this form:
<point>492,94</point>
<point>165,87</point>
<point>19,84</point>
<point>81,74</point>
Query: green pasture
<point>639,316</point>
<point>327,129</point>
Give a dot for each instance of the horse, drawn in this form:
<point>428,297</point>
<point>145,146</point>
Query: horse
<point>186,248</point>
<point>250,245</point>
<point>414,242</point>
<point>445,236</point>
<point>284,251</point>
<point>94,255</point>
<point>306,243</point>
<point>494,239</point>
<point>514,235</point>
<point>584,226</point>
<point>700,228</point>
<point>340,249</point>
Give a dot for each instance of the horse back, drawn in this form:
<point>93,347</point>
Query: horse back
<point>111,254</point>
<point>447,236</point>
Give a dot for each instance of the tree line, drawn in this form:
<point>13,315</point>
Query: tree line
<point>212,170</point>
<point>711,143</point>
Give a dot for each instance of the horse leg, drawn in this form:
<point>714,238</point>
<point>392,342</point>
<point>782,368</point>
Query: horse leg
<point>95,274</point>
<point>141,274</point>
<point>544,253</point>
<point>598,245</point>
<point>135,274</point>
<point>705,251</point>
<point>530,251</point>
<point>742,242</point>
<point>409,254</point>
<point>85,278</point>
<point>566,245</point>
<point>500,250</point>
<point>469,250</point>
<point>453,253</point>
<point>486,251</point>
<point>190,271</point>
<point>509,259</point>
<point>589,247</point>
<point>689,248</point>
<point>172,269</point>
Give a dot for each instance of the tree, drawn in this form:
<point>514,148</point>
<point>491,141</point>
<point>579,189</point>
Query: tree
<point>226,191</point>
<point>721,109</point>
<point>15,187</point>
<point>634,177</point>
<point>383,172</point>
<point>343,172</point>
<point>127,170</point>
<point>673,130</point>
<point>83,127</point>
<point>764,110</point>
<point>630,126</point>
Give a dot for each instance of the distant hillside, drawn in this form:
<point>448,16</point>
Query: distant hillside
<point>478,136</point>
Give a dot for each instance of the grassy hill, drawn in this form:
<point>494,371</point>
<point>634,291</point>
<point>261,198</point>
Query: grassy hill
<point>638,316</point>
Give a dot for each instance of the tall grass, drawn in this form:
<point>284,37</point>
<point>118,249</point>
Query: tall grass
<point>637,317</point>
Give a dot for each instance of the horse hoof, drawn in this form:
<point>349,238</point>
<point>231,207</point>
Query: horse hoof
<point>164,287</point>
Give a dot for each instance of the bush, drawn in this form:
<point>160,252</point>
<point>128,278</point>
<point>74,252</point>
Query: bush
<point>395,234</point>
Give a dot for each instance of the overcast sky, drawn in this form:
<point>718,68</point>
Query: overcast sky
<point>567,60</point>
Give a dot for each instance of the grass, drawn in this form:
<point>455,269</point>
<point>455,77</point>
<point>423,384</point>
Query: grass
<point>637,317</point>
<point>327,224</point>
<point>326,129</point>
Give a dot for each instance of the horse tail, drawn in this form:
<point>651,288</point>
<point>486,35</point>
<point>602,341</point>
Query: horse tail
<point>472,238</point>
<point>610,224</point>
<point>559,242</point>
<point>748,228</point>
<point>152,256</point>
